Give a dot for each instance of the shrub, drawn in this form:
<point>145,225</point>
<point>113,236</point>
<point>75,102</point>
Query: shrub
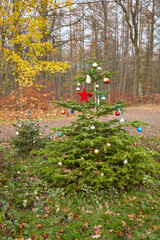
<point>28,135</point>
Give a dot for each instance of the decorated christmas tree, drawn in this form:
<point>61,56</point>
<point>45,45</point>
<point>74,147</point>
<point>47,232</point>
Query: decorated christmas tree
<point>91,152</point>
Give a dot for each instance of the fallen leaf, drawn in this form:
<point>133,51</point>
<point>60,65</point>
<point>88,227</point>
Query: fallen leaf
<point>107,212</point>
<point>83,209</point>
<point>131,216</point>
<point>100,207</point>
<point>106,204</point>
<point>38,225</point>
<point>86,224</point>
<point>67,210</point>
<point>45,236</point>
<point>120,234</point>
<point>124,223</point>
<point>95,236</point>
<point>22,225</point>
<point>89,212</point>
<point>95,171</point>
<point>155,227</point>
<point>132,198</point>
<point>148,231</point>
<point>97,228</point>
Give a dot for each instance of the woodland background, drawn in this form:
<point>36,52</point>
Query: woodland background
<point>43,44</point>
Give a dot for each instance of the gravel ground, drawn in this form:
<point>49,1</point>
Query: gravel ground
<point>150,115</point>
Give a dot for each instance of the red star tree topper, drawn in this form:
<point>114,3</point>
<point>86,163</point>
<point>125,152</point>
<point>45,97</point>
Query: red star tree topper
<point>84,95</point>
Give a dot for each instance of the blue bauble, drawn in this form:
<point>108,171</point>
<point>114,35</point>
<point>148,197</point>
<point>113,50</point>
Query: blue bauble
<point>50,138</point>
<point>72,111</point>
<point>59,134</point>
<point>139,129</point>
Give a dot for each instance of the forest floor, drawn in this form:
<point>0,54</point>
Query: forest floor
<point>30,208</point>
<point>149,114</point>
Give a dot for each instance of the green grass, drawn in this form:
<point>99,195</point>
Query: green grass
<point>31,209</point>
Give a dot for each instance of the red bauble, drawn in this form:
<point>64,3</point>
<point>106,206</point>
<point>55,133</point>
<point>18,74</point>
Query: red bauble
<point>135,144</point>
<point>90,95</point>
<point>117,113</point>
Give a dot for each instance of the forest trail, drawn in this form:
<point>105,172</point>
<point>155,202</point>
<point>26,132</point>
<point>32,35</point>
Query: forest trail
<point>150,115</point>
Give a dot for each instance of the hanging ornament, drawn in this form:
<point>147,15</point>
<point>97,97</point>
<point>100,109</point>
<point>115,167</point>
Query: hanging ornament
<point>60,163</point>
<point>125,161</point>
<point>117,113</point>
<point>40,134</point>
<point>135,144</point>
<point>72,111</point>
<point>96,151</point>
<point>103,98</point>
<point>63,112</point>
<point>97,86</point>
<point>92,127</point>
<point>88,79</point>
<point>99,68</point>
<point>121,120</point>
<point>84,95</point>
<point>50,138</point>
<point>78,84</point>
<point>106,80</point>
<point>139,129</point>
<point>108,144</point>
<point>77,89</point>
<point>90,95</point>
<point>98,101</point>
<point>60,134</point>
<point>17,133</point>
<point>94,65</point>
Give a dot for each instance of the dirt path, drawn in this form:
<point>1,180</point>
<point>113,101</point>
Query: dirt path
<point>149,115</point>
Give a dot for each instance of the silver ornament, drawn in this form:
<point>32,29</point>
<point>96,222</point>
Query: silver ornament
<point>121,120</point>
<point>99,68</point>
<point>125,161</point>
<point>94,65</point>
<point>103,98</point>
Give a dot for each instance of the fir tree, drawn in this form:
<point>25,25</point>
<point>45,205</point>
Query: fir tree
<point>29,135</point>
<point>94,153</point>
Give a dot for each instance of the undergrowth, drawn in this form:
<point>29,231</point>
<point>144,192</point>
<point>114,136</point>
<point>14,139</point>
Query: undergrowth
<point>31,209</point>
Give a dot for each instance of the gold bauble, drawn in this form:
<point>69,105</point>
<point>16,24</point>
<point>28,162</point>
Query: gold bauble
<point>106,80</point>
<point>96,151</point>
<point>63,112</point>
